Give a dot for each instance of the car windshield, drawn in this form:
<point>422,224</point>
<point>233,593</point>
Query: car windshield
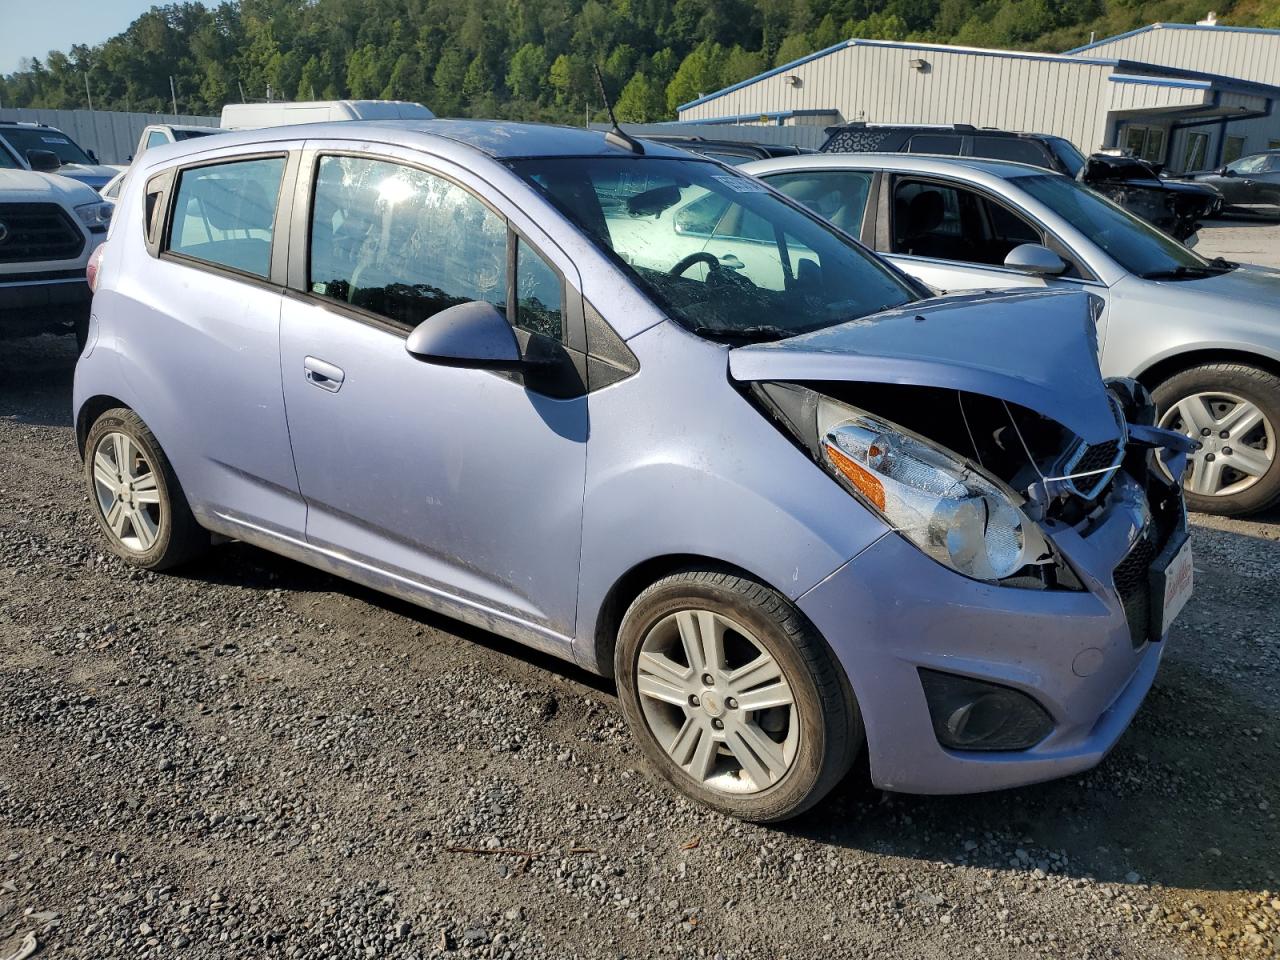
<point>720,252</point>
<point>1133,243</point>
<point>1071,159</point>
<point>23,139</point>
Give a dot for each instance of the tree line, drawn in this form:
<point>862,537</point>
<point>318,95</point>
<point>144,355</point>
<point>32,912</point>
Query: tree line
<point>529,59</point>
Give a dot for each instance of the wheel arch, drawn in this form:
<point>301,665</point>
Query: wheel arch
<point>90,411</point>
<point>631,584</point>
<point>1177,363</point>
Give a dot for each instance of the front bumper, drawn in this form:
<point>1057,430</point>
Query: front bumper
<point>36,304</point>
<point>892,610</point>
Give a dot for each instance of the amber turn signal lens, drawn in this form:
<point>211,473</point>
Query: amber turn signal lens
<point>863,480</point>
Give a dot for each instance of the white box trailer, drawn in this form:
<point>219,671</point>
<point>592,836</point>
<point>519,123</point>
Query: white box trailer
<point>251,116</point>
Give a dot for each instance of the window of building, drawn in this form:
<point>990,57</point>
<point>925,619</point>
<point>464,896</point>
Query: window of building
<point>1193,153</point>
<point>1273,144</point>
<point>1233,150</point>
<point>1146,143</point>
<point>402,243</point>
<point>1010,148</point>
<point>225,214</point>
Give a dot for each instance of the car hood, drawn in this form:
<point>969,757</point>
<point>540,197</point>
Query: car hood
<point>1037,348</point>
<point>28,186</point>
<point>96,176</point>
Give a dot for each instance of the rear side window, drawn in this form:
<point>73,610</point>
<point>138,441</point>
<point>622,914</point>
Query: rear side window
<point>405,244</point>
<point>839,196</point>
<point>932,143</point>
<point>1009,148</point>
<point>225,214</point>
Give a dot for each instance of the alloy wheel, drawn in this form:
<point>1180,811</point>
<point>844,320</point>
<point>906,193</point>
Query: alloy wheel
<point>1235,442</point>
<point>717,701</point>
<point>127,491</point>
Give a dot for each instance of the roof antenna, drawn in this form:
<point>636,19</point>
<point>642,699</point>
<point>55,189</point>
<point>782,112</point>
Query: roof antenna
<point>615,136</point>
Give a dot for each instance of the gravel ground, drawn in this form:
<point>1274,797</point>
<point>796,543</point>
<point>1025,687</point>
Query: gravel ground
<point>1244,239</point>
<point>252,759</point>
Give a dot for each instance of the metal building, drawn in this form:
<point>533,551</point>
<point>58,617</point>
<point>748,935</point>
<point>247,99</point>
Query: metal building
<point>1183,117</point>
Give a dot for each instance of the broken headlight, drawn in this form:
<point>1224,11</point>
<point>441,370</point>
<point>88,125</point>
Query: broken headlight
<point>941,502</point>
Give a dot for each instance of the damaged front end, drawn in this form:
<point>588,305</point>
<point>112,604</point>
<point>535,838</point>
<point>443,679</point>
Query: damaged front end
<point>996,462</point>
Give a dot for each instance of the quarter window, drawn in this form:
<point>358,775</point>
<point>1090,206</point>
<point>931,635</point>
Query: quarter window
<point>539,294</point>
<point>225,214</point>
<point>155,139</point>
<point>405,244</point>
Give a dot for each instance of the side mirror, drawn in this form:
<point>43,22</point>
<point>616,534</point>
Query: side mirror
<point>1035,260</point>
<point>43,161</point>
<point>91,155</point>
<point>1225,172</point>
<point>471,334</point>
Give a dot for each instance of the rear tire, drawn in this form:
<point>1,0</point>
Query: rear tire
<point>1238,473</point>
<point>135,495</point>
<point>778,697</point>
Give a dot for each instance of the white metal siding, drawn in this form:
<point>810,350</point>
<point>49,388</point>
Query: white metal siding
<point>1149,96</point>
<point>1231,53</point>
<point>878,84</point>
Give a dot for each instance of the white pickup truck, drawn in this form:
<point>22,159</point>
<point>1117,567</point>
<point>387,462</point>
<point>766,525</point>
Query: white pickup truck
<point>49,226</point>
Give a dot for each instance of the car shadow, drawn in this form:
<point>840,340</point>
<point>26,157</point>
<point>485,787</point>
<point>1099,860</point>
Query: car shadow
<point>35,380</point>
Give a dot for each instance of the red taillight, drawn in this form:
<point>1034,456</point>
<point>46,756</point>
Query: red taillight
<point>95,262</point>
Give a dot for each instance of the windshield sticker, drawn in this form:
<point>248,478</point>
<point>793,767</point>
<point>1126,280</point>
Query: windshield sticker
<point>741,184</point>
<point>55,140</point>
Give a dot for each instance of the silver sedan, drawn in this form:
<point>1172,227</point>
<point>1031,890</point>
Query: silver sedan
<point>1203,335</point>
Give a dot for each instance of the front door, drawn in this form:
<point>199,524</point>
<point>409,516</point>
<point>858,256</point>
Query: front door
<point>461,484</point>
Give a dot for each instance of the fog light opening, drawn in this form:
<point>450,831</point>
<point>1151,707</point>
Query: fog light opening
<point>972,714</point>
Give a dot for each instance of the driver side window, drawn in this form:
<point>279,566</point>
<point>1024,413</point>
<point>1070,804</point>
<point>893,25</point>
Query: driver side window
<point>947,222</point>
<point>1252,164</point>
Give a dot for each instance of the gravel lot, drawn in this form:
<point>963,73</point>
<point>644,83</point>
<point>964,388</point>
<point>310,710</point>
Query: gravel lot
<point>252,759</point>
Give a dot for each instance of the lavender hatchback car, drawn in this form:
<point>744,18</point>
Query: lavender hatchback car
<point>794,506</point>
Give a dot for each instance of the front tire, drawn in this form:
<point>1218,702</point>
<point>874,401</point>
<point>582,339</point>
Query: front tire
<point>734,696</point>
<point>135,496</point>
<point>1233,412</point>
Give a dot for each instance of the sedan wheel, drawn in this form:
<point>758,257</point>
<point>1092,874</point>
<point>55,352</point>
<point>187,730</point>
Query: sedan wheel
<point>128,494</point>
<point>137,499</point>
<point>733,696</point>
<point>1232,413</point>
<point>717,701</point>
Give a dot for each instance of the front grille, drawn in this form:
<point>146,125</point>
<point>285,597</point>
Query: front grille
<point>37,231</point>
<point>1106,457</point>
<point>1133,583</point>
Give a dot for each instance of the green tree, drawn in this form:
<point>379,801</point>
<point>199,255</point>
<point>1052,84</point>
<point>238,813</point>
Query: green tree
<point>699,73</point>
<point>450,73</point>
<point>641,101</point>
<point>527,76</point>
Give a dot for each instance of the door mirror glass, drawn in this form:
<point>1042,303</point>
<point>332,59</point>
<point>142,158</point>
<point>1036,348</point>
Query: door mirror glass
<point>43,161</point>
<point>1033,259</point>
<point>470,334</point>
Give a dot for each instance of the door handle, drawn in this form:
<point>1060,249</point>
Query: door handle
<point>323,375</point>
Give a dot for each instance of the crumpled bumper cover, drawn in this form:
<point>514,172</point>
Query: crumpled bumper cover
<point>892,610</point>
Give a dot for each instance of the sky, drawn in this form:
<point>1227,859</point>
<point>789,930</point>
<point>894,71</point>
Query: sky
<point>32,29</point>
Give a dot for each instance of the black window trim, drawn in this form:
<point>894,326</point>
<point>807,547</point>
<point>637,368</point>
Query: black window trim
<point>1049,239</point>
<point>275,279</point>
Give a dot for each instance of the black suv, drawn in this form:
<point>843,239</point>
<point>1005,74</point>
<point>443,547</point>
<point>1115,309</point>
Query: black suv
<point>733,152</point>
<point>1134,184</point>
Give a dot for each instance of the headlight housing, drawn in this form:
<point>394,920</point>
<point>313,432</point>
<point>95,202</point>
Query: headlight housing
<point>955,513</point>
<point>96,216</point>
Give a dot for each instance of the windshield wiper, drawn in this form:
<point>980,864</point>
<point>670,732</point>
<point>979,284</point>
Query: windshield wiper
<point>1183,272</point>
<point>759,333</point>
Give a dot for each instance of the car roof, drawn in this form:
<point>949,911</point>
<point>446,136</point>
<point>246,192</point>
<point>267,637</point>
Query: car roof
<point>909,162</point>
<point>499,139</point>
<point>964,129</point>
